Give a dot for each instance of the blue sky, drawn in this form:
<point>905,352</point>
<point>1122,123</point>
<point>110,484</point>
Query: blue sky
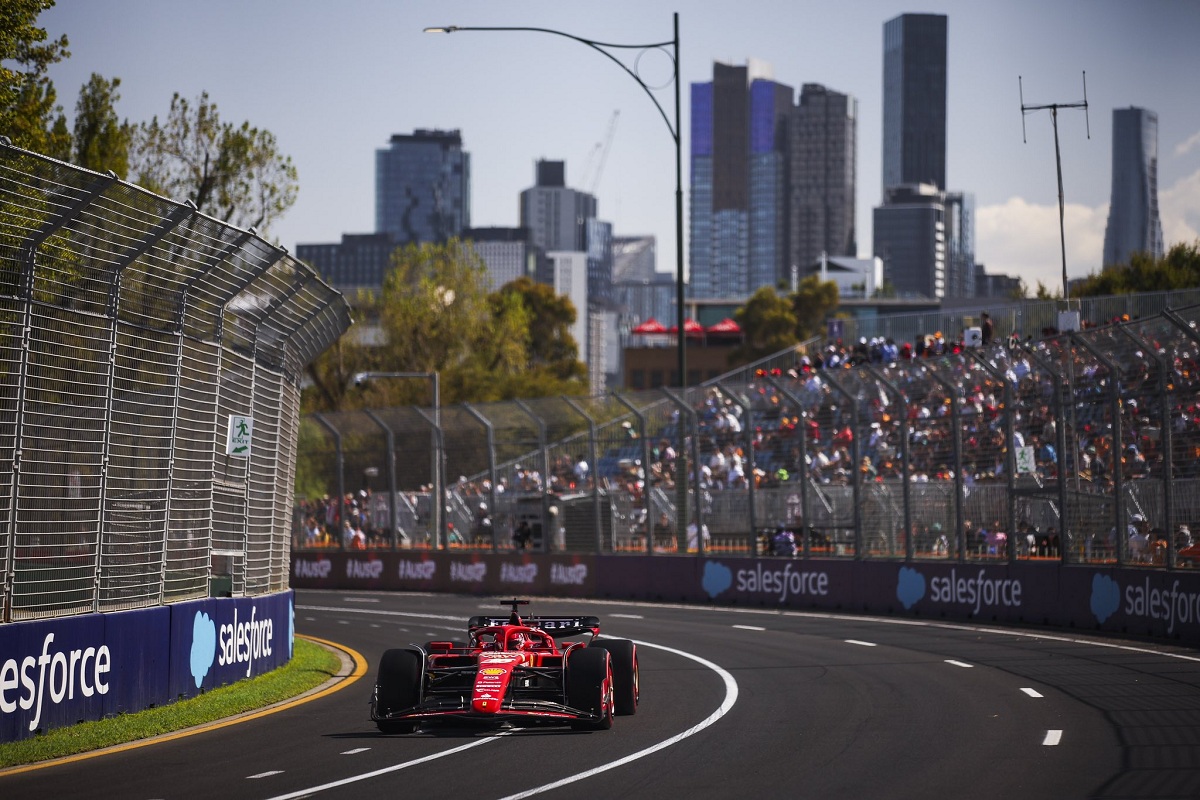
<point>333,81</point>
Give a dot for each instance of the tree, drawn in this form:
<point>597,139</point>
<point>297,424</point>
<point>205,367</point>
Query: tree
<point>29,114</point>
<point>768,326</point>
<point>812,302</point>
<point>234,173</point>
<point>101,141</point>
<point>1178,269</point>
<point>550,345</point>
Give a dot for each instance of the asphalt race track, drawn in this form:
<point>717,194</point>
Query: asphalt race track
<point>735,704</point>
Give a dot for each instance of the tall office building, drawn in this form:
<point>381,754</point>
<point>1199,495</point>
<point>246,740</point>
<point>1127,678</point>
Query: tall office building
<point>507,253</point>
<point>739,180</point>
<point>423,187</point>
<point>1133,222</point>
<point>910,236</point>
<point>914,100</point>
<point>822,208</point>
<point>555,214</point>
<point>959,219</point>
<point>358,262</point>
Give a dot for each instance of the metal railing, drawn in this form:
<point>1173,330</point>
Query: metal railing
<point>132,329</point>
<point>1054,448</point>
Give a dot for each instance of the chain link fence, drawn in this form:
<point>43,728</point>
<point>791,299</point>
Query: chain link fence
<point>133,331</point>
<point>1083,447</point>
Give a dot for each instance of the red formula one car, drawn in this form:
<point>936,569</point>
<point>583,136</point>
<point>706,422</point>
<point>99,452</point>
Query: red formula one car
<point>510,670</point>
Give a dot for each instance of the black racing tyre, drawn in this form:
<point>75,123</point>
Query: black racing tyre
<point>589,686</point>
<point>626,684</point>
<point>397,687</point>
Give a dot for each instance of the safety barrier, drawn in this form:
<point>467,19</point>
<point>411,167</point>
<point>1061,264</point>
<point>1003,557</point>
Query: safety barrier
<point>150,361</point>
<point>1081,447</point>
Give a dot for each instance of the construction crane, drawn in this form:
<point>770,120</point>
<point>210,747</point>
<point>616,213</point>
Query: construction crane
<point>592,179</point>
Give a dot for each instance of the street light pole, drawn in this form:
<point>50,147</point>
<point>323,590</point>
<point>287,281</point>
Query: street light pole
<point>676,136</point>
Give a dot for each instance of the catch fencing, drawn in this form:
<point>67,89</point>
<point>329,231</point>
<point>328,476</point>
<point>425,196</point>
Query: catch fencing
<point>134,332</point>
<point>1082,447</point>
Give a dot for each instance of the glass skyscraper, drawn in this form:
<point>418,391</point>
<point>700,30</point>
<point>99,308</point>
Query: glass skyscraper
<point>914,100</point>
<point>739,179</point>
<point>423,187</point>
<point>823,186</point>
<point>1133,222</point>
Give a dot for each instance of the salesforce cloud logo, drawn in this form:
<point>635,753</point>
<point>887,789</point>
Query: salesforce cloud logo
<point>717,578</point>
<point>1106,597</point>
<point>910,587</point>
<point>204,646</point>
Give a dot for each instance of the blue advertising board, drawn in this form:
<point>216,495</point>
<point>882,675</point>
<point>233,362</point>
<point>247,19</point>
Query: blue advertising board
<point>62,671</point>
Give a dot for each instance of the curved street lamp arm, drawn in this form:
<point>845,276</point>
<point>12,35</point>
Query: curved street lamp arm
<point>599,48</point>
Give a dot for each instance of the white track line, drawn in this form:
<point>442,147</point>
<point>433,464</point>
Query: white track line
<point>1032,692</point>
<point>861,643</point>
<point>355,751</point>
<point>731,695</point>
<point>1052,738</point>
<point>386,770</point>
<point>959,663</point>
<point>750,627</point>
<point>267,774</point>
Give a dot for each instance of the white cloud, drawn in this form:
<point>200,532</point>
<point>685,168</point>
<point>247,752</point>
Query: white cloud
<point>1179,209</point>
<point>1022,240</point>
<point>1183,148</point>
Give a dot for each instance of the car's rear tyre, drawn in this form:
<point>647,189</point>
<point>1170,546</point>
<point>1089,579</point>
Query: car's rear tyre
<point>589,687</point>
<point>626,683</point>
<point>398,687</point>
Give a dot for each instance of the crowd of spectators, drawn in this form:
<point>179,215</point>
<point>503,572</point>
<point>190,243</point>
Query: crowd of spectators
<point>807,420</point>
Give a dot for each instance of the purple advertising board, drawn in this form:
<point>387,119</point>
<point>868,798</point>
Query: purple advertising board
<point>221,641</point>
<point>58,672</point>
<point>465,573</point>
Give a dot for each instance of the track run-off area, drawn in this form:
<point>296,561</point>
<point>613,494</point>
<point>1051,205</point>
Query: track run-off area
<point>734,703</point>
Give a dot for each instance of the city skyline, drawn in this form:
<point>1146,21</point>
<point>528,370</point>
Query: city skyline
<point>333,87</point>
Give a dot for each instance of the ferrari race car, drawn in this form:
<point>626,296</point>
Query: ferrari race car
<point>510,670</point>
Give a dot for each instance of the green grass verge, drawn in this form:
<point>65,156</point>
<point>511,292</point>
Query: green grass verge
<point>311,665</point>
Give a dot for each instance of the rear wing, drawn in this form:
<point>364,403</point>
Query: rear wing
<point>557,626</point>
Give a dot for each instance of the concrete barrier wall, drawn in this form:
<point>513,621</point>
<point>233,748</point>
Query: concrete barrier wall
<point>1139,602</point>
<point>62,671</point>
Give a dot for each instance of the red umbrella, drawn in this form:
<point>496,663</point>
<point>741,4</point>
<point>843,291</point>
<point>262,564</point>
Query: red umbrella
<point>690,328</point>
<point>650,326</point>
<point>725,327</point>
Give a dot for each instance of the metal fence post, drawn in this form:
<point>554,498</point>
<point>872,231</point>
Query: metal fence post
<point>855,459</point>
<point>805,522</point>
<point>1120,524</point>
<point>591,423</point>
<point>956,441</point>
<point>681,480</point>
<point>490,432</point>
<point>390,465</point>
<point>905,489</point>
<point>544,489</point>
<point>646,493</point>
<point>748,438</point>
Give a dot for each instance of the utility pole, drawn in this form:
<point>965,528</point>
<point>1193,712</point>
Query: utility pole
<point>1053,108</point>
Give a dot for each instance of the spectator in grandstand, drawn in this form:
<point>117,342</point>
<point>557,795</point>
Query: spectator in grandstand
<point>1139,539</point>
<point>1183,538</point>
<point>986,329</point>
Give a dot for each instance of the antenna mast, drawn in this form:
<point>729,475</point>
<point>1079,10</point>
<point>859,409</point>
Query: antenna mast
<point>1053,108</point>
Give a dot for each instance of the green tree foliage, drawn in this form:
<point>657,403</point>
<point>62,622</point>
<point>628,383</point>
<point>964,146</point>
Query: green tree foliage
<point>812,302</point>
<point>549,343</point>
<point>29,113</point>
<point>101,141</point>
<point>436,315</point>
<point>1178,269</point>
<point>234,173</point>
<point>768,325</point>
